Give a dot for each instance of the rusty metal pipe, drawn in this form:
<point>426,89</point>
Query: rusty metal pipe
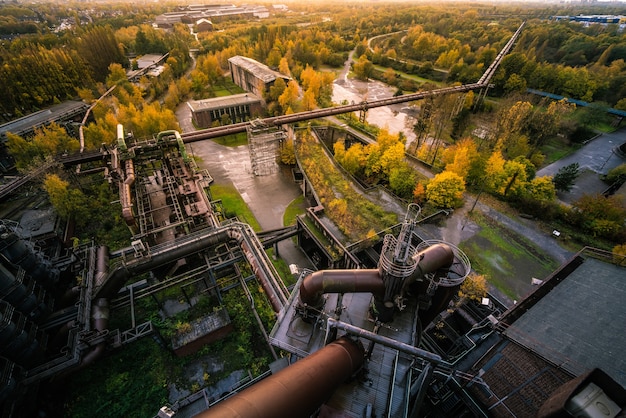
<point>102,265</point>
<point>130,172</point>
<point>433,258</point>
<point>296,391</point>
<point>339,281</point>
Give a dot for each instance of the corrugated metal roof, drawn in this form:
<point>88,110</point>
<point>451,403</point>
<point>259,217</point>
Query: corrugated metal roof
<point>34,120</point>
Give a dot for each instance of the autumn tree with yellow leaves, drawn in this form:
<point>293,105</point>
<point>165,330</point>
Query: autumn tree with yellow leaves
<point>445,190</point>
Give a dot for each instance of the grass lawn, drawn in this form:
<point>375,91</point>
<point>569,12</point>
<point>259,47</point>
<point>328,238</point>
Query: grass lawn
<point>555,149</point>
<point>234,204</point>
<point>233,140</point>
<point>508,260</point>
<point>226,88</point>
<point>222,93</point>
<point>295,208</point>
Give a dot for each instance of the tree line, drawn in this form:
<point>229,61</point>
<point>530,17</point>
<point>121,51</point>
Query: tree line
<point>37,76</point>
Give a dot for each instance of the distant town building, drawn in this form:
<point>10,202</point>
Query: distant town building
<point>238,107</point>
<point>148,60</point>
<point>252,75</point>
<point>593,19</point>
<point>212,12</point>
<point>150,65</point>
<point>204,25</point>
<point>168,20</point>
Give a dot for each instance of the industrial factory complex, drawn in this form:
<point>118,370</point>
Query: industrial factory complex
<point>377,330</point>
<point>376,333</point>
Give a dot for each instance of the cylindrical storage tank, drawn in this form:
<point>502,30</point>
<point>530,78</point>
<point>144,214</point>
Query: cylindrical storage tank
<point>7,275</point>
<point>450,266</point>
<point>10,287</point>
<point>438,302</point>
<point>22,350</point>
<point>16,250</point>
<point>7,329</point>
<point>17,336</point>
<point>298,390</point>
<point>18,342</point>
<point>19,295</point>
<point>9,383</point>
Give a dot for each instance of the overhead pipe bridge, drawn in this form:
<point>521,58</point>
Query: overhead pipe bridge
<point>337,110</point>
<point>219,131</point>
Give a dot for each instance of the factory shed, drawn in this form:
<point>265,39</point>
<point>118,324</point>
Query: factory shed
<point>580,323</point>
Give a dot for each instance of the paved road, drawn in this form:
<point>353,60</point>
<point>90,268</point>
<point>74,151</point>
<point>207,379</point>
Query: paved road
<point>597,155</point>
<point>595,158</point>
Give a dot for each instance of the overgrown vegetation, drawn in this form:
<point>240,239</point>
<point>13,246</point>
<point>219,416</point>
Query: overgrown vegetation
<point>123,383</point>
<point>41,67</point>
<point>295,208</point>
<point>354,214</point>
<point>90,209</point>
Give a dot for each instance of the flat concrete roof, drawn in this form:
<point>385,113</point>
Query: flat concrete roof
<point>223,102</point>
<point>579,324</point>
<point>259,70</point>
<point>36,223</point>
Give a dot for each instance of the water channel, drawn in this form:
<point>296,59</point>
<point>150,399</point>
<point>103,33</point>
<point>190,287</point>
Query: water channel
<point>393,118</point>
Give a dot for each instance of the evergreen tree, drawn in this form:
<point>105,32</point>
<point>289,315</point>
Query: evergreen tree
<point>566,176</point>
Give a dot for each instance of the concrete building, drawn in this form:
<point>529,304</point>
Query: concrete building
<point>239,108</point>
<point>168,20</point>
<point>252,75</point>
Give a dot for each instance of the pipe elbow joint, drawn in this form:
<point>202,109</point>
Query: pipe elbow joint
<point>311,290</point>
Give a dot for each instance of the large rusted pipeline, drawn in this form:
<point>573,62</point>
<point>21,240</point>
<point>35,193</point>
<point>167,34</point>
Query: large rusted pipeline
<point>433,258</point>
<point>339,281</point>
<point>296,391</point>
<point>117,278</point>
<point>313,286</point>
